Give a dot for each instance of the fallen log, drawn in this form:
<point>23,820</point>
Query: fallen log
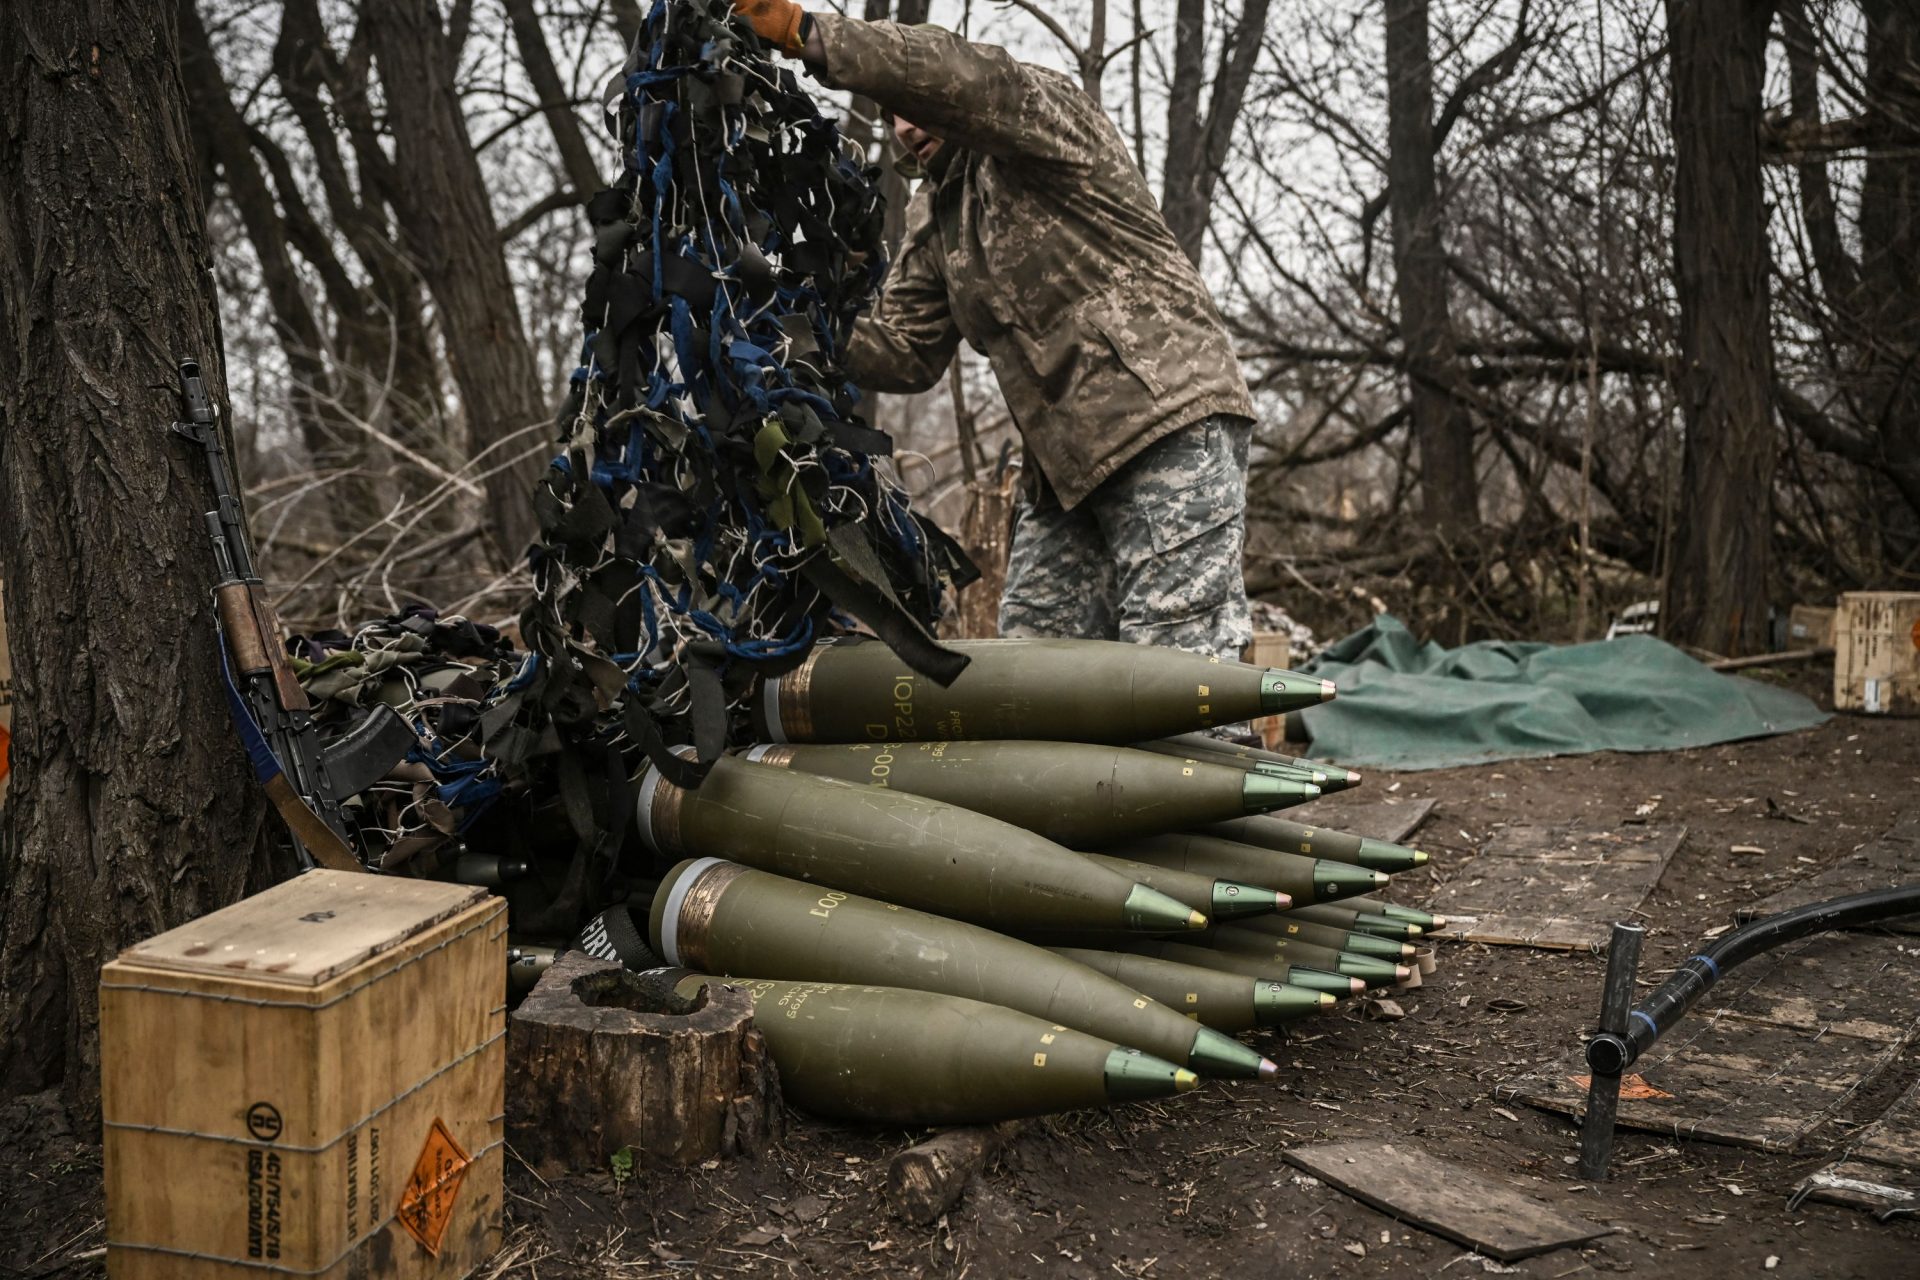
<point>928,1179</point>
<point>1773,659</point>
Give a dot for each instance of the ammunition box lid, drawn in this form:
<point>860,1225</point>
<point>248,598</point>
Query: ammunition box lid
<point>306,931</point>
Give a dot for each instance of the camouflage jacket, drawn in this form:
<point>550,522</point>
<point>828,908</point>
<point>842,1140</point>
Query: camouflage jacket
<point>1037,240</point>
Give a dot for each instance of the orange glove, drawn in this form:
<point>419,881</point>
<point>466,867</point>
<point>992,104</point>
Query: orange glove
<point>779,22</point>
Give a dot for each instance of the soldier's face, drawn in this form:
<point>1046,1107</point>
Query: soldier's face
<point>918,141</point>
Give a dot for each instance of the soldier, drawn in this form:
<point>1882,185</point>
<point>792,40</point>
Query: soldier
<point>1036,239</point>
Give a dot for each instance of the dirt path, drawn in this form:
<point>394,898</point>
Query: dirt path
<point>1196,1187</point>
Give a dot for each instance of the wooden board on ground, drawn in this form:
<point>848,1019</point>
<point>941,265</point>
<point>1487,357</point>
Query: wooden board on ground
<point>1492,1218</point>
<point>1772,1055</point>
<point>1892,859</point>
<point>1557,887</point>
<point>1375,817</point>
<point>1880,1169</point>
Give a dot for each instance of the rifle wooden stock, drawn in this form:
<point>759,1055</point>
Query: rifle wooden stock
<point>253,633</point>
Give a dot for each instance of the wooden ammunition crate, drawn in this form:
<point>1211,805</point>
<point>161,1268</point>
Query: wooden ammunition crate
<point>309,1082</point>
<point>1271,649</point>
<point>1810,627</point>
<point>1876,653</point>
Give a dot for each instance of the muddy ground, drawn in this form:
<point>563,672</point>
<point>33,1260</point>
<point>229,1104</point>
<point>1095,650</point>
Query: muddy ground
<point>1197,1186</point>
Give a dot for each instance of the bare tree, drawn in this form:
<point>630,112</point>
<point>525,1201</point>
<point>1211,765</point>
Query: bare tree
<point>446,222</point>
<point>1197,144</point>
<point>1716,593</point>
<point>1442,423</point>
<point>129,807</point>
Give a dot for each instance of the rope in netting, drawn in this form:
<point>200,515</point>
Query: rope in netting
<point>719,493</point>
<point>718,504</point>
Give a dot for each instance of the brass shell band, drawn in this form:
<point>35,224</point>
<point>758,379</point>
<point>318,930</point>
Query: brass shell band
<point>668,800</point>
<point>778,757</point>
<point>696,911</point>
<point>796,701</point>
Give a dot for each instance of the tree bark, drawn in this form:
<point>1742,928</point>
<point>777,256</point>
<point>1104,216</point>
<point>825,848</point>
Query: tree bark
<point>1442,425</point>
<point>130,810</point>
<point>1716,596</point>
<point>447,225</point>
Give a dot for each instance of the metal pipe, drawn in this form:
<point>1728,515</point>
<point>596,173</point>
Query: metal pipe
<point>1614,1051</point>
<point>1603,1088</point>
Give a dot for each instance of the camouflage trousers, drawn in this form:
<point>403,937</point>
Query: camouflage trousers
<point>1152,556</point>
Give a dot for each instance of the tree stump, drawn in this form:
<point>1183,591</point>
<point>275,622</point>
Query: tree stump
<point>600,1059</point>
<point>927,1179</point>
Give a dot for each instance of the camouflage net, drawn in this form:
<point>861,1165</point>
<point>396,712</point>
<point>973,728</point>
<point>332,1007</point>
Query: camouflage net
<point>718,505</point>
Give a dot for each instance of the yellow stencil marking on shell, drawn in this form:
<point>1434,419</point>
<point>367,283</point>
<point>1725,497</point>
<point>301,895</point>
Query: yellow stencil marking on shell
<point>1204,690</point>
<point>1047,1038</point>
<point>1193,997</point>
<point>1140,1003</point>
<point>1039,1059</point>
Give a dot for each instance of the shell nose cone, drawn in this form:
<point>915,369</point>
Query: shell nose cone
<point>1151,911</point>
<point>1232,901</point>
<point>1283,691</point>
<point>1357,986</point>
<point>1277,1002</point>
<point>1268,1069</point>
<point>1327,691</point>
<point>1215,1054</point>
<point>1184,1081</point>
<point>1262,792</point>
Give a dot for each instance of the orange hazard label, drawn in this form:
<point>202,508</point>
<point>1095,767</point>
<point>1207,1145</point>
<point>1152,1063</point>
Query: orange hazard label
<point>426,1203</point>
<point>1632,1088</point>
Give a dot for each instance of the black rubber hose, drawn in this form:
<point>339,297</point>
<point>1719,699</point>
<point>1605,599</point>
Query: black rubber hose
<point>1610,1054</point>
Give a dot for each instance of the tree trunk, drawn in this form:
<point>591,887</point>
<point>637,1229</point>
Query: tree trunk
<point>1442,426</point>
<point>447,224</point>
<point>219,129</point>
<point>1889,296</point>
<point>1197,144</point>
<point>130,807</point>
<point>603,1060</point>
<point>1716,594</point>
<point>576,158</point>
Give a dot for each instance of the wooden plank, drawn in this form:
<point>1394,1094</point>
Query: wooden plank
<point>1772,1056</point>
<point>1880,1170</point>
<point>308,930</point>
<point>1493,1218</point>
<point>1894,1139</point>
<point>1558,887</point>
<point>1892,859</point>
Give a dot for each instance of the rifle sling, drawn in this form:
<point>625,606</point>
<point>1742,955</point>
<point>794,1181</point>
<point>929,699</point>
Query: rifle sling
<point>315,836</point>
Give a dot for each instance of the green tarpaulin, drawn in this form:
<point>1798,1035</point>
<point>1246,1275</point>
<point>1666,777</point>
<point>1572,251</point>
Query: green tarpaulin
<point>1407,705</point>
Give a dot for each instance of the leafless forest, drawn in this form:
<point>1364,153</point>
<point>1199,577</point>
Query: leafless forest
<point>1548,306</point>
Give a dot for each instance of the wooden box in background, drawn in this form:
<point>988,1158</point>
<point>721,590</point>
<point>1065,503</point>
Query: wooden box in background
<point>309,1082</point>
<point>1810,627</point>
<point>1271,649</point>
<point>1876,653</point>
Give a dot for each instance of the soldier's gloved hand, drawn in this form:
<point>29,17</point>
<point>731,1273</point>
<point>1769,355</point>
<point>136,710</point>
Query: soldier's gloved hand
<point>780,22</point>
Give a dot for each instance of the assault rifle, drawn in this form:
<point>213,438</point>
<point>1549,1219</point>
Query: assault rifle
<point>305,780</point>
